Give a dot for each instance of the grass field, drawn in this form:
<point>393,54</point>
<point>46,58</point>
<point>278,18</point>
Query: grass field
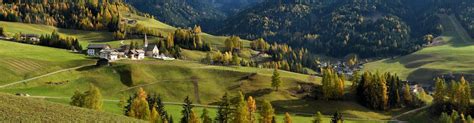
<point>171,79</point>
<point>175,111</point>
<point>21,61</point>
<point>21,109</point>
<point>456,56</point>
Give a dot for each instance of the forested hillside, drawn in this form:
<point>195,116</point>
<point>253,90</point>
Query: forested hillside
<point>186,13</point>
<point>370,28</point>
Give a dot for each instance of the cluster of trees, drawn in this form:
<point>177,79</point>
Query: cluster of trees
<point>384,91</point>
<point>57,41</point>
<point>233,44</point>
<point>284,57</point>
<point>452,96</point>
<point>146,107</point>
<point>454,118</point>
<point>91,99</point>
<point>76,14</point>
<point>332,84</point>
<point>189,39</point>
<point>226,58</point>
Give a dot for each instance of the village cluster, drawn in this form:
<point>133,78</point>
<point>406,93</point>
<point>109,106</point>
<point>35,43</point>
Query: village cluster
<point>104,51</point>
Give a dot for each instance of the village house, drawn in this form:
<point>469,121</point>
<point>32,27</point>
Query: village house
<point>111,55</point>
<point>94,49</point>
<point>152,51</point>
<point>136,54</point>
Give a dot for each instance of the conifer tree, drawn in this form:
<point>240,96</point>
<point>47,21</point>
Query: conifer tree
<point>266,112</point>
<point>287,118</point>
<point>205,116</point>
<point>337,118</point>
<point>241,113</point>
<point>440,91</point>
<point>276,82</point>
<point>155,116</point>
<point>224,111</point>
<point>407,97</point>
<point>444,118</point>
<point>187,110</point>
<point>318,118</point>
<point>139,107</point>
<point>193,118</point>
<point>252,107</point>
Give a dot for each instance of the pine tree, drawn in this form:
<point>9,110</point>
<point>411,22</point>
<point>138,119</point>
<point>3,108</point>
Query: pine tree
<point>465,95</point>
<point>287,118</point>
<point>155,116</point>
<point>205,116</point>
<point>337,118</point>
<point>276,82</point>
<point>252,107</point>
<point>193,118</point>
<point>224,111</point>
<point>267,112</point>
<point>444,118</point>
<point>318,118</point>
<point>139,107</point>
<point>187,110</point>
<point>440,91</point>
<point>241,113</point>
<point>407,97</point>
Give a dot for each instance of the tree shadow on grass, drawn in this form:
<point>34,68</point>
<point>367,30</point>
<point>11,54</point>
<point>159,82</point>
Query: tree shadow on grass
<point>308,107</point>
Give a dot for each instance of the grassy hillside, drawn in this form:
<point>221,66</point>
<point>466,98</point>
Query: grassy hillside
<point>455,55</point>
<point>21,61</point>
<point>22,109</point>
<point>172,79</point>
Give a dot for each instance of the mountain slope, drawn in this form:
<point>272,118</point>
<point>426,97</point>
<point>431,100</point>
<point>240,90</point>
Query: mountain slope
<point>453,56</point>
<point>22,109</point>
<point>371,28</point>
<point>187,13</point>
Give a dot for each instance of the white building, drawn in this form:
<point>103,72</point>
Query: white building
<point>136,54</point>
<point>110,55</point>
<point>94,49</point>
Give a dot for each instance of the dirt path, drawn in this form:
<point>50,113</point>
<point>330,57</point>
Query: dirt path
<point>109,100</point>
<point>45,75</point>
<point>409,112</point>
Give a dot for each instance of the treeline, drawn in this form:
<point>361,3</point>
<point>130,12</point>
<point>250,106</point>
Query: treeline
<point>452,96</point>
<point>385,91</point>
<point>50,40</point>
<point>285,57</point>
<point>190,39</point>
<point>74,14</point>
<point>230,110</point>
<point>332,85</point>
<point>57,41</point>
<point>455,117</point>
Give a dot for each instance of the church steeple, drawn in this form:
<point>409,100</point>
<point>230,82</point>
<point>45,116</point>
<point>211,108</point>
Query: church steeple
<point>145,42</point>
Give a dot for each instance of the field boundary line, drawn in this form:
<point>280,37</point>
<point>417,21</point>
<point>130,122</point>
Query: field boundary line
<point>44,75</point>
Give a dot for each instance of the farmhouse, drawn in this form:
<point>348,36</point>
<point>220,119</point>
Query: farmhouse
<point>111,55</point>
<point>94,49</point>
<point>136,54</point>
